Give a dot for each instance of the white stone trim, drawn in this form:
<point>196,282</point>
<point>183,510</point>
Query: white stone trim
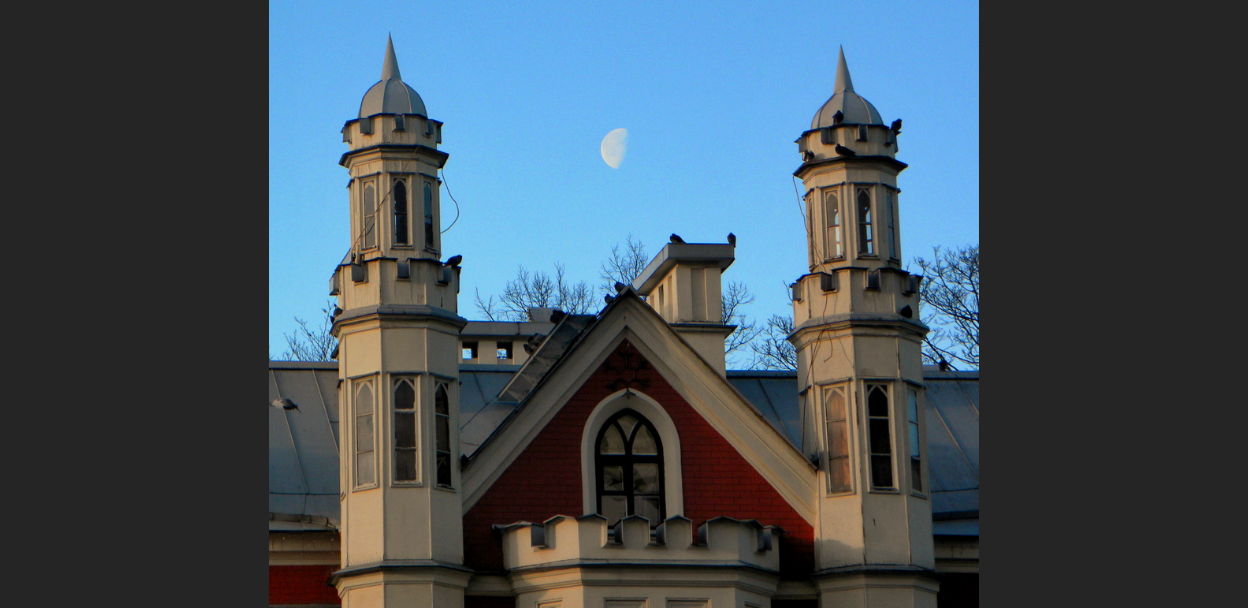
<point>673,488</point>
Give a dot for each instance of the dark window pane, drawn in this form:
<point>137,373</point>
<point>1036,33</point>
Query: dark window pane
<point>914,440</point>
<point>881,472</point>
<point>877,401</point>
<point>879,436</point>
<point>613,478</point>
<point>646,478</point>
<point>444,469</point>
<point>614,507</point>
<point>647,507</point>
<point>612,442</point>
<point>405,465</point>
<point>644,443</point>
<point>444,433</point>
<point>916,474</point>
<point>404,396</point>
<point>400,214</point>
<point>405,429</point>
<point>440,401</point>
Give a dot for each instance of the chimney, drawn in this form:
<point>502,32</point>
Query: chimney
<point>682,283</point>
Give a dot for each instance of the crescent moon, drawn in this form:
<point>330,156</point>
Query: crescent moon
<point>613,147</point>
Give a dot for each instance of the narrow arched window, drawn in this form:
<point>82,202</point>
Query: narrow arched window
<point>442,441</point>
<point>369,216</point>
<point>890,204</point>
<point>428,216</point>
<point>363,440</point>
<point>866,238</point>
<point>400,215</point>
<point>832,212</point>
<point>879,436</point>
<point>405,430</point>
<point>629,469</point>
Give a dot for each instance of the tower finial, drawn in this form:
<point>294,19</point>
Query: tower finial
<point>843,83</point>
<point>390,68</point>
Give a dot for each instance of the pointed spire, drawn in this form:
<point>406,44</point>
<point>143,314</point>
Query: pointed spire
<point>843,83</point>
<point>390,69</point>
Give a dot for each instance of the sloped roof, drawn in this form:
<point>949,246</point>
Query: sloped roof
<point>303,449</point>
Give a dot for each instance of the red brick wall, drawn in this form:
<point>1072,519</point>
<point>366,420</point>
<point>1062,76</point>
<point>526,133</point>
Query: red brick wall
<point>301,585</point>
<point>545,479</point>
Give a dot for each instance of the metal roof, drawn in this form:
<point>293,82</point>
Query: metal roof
<point>303,449</point>
<point>854,108</point>
<point>391,95</point>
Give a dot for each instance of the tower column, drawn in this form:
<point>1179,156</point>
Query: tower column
<point>398,365</point>
<point>858,339</point>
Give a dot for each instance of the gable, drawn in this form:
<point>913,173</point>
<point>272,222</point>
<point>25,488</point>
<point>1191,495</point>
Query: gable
<point>697,383</point>
<point>545,478</point>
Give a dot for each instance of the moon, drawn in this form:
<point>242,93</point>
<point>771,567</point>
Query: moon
<point>614,146</point>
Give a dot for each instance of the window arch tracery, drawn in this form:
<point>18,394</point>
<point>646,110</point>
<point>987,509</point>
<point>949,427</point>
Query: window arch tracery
<point>629,468</point>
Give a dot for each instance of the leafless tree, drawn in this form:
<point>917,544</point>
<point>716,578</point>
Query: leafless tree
<point>736,295</point>
<point>537,289</point>
<point>309,343</point>
<point>950,306</point>
<point>772,349</point>
<point>627,261</point>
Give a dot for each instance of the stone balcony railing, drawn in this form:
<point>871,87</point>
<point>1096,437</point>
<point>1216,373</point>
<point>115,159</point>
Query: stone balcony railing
<point>564,541</point>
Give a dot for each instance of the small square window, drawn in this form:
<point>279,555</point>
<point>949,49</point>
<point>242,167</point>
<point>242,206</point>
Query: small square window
<point>862,132</point>
<point>503,352</point>
<point>469,350</point>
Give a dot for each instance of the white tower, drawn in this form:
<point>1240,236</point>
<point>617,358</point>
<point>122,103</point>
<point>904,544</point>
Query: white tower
<point>858,336</point>
<point>398,363</point>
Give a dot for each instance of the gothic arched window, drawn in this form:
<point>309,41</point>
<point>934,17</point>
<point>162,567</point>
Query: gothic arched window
<point>835,245</point>
<point>400,214</point>
<point>368,213</point>
<point>866,240</point>
<point>629,469</point>
<point>442,440</point>
<point>428,216</point>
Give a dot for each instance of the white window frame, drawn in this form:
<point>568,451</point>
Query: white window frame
<point>631,398</point>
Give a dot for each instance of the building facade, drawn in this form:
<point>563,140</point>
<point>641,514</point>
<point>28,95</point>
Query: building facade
<point>611,460</point>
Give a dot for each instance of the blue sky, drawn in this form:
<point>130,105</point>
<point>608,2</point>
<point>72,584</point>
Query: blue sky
<point>713,96</point>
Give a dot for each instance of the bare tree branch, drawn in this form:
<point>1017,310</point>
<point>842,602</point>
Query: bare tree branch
<point>312,343</point>
<point>950,298</point>
<point>772,349</point>
<point>627,261</point>
<point>736,295</point>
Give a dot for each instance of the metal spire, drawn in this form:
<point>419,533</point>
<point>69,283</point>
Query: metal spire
<point>390,69</point>
<point>843,83</point>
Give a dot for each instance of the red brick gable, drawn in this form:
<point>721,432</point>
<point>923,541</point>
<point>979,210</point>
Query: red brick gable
<point>545,480</point>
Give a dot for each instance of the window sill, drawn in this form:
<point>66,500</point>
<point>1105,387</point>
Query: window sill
<point>885,491</point>
<point>365,488</point>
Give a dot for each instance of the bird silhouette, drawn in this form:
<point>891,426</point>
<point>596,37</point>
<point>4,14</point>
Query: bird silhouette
<point>454,260</point>
<point>843,151</point>
<point>608,298</point>
<point>675,238</point>
<point>732,239</point>
<point>838,117</point>
<point>619,287</point>
<point>896,126</point>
